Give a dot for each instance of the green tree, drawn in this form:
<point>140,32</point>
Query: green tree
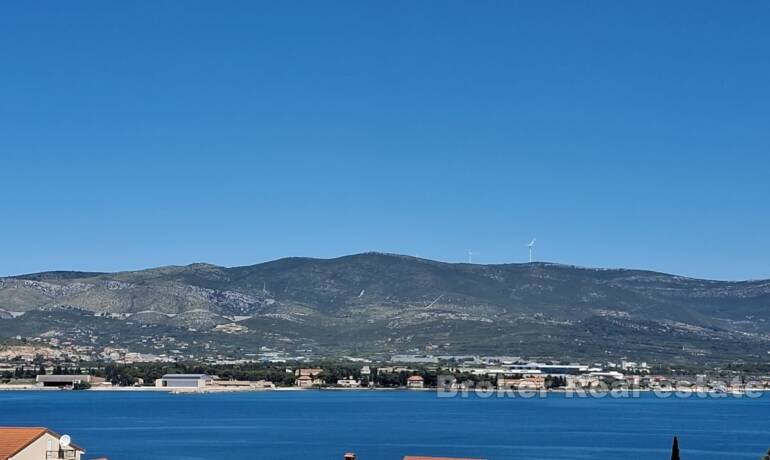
<point>675,449</point>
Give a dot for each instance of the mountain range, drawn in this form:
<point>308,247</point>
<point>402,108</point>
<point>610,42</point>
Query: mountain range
<point>385,303</point>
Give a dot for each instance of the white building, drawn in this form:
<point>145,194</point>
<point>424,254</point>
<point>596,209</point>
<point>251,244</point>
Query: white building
<point>414,359</point>
<point>349,382</point>
<point>184,381</point>
<point>608,375</point>
<point>415,381</point>
<point>67,380</point>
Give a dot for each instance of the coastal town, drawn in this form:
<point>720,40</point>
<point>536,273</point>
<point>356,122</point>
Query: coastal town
<point>40,364</point>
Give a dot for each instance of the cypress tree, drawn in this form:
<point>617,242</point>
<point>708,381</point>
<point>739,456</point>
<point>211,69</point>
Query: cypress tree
<point>675,449</point>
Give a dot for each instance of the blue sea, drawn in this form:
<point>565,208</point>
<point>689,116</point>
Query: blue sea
<point>386,425</point>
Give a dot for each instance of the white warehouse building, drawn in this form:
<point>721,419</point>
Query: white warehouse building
<point>184,381</point>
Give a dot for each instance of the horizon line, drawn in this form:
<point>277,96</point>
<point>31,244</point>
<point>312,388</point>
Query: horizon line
<point>392,254</point>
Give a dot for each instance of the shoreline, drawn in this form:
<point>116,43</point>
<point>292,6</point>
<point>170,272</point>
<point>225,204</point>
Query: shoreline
<point>454,393</point>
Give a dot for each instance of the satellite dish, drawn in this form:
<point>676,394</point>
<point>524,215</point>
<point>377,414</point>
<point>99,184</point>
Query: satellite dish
<point>65,440</point>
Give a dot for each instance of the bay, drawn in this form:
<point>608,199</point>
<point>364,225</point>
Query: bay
<point>386,425</point>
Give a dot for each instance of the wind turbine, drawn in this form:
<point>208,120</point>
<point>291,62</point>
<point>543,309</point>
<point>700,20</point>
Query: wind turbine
<point>531,246</point>
<point>470,256</point>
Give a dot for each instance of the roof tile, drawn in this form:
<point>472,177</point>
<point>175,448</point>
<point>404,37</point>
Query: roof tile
<point>12,440</point>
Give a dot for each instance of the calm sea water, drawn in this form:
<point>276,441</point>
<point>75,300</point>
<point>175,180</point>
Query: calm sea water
<point>322,425</point>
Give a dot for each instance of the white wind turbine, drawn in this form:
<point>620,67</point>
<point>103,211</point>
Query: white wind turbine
<point>470,256</point>
<point>531,246</point>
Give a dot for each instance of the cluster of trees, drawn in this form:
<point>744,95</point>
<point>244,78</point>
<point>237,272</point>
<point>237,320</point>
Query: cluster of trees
<point>147,373</point>
<point>399,379</point>
<point>60,370</point>
<point>334,371</point>
<point>24,372</point>
<point>555,382</point>
<point>392,379</point>
<point>20,372</point>
<point>132,374</point>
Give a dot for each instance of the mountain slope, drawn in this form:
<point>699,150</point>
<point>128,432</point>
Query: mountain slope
<point>394,302</point>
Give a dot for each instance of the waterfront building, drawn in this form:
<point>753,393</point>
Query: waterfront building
<point>243,384</point>
<point>307,378</point>
<point>415,381</point>
<point>184,381</point>
<point>519,382</point>
<point>63,381</point>
<point>18,443</point>
<point>314,372</point>
<point>349,382</point>
<point>304,381</point>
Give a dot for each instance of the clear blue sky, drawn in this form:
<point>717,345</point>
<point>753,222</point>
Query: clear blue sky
<point>620,134</point>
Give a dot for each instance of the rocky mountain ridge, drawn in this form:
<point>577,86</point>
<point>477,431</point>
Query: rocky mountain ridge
<point>392,297</point>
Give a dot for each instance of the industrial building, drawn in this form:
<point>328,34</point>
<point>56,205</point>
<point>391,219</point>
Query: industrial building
<point>63,381</point>
<point>184,381</point>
